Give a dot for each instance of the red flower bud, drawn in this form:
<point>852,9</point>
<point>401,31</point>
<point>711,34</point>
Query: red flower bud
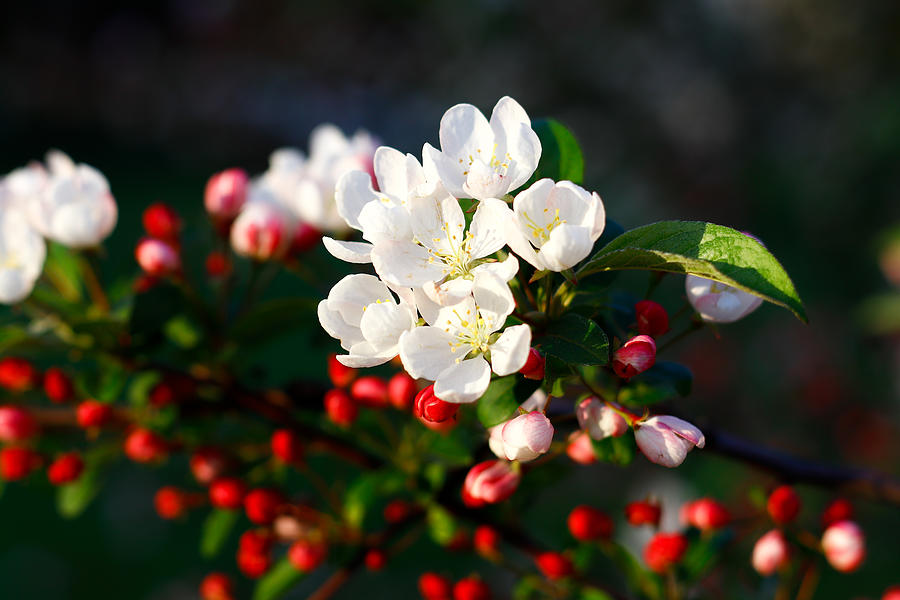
<point>225,194</point>
<point>652,318</point>
<point>892,593</point>
<point>486,541</point>
<point>262,505</point>
<point>665,550</point>
<point>434,587</point>
<point>16,424</point>
<point>396,511</point>
<point>227,493</point>
<point>845,546</point>
<point>217,264</point>
<point>429,407</point>
<point>643,512</point>
<point>341,375</point>
<point>58,386</point>
<point>144,446</point>
<point>207,464</point>
<point>636,356</point>
<point>783,504</point>
<point>588,524</point>
<point>838,510</point>
<point>216,586</point>
<point>65,469</point>
<point>91,413</point>
<point>489,482</point>
<point>170,502</point>
<point>157,258</point>
<point>161,221</point>
<point>554,565</point>
<point>255,542</point>
<point>705,514</point>
<point>286,446</point>
<point>341,409</point>
<point>306,237</point>
<point>770,553</point>
<point>471,588</point>
<point>306,555</point>
<point>375,559</point>
<point>16,463</point>
<point>370,391</point>
<point>252,564</point>
<point>402,391</point>
<point>17,374</point>
<point>534,365</point>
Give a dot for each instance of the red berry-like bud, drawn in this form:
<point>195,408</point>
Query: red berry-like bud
<point>145,283</point>
<point>892,593</point>
<point>255,542</point>
<point>429,407</point>
<point>375,559</point>
<point>227,493</point>
<point>845,546</point>
<point>144,446</point>
<point>554,565</point>
<point>580,448</point>
<point>170,502</point>
<point>16,424</point>
<point>784,504</point>
<point>306,555</point>
<point>705,514</point>
<point>471,588</point>
<point>157,258</point>
<point>434,587</point>
<point>652,318</point>
<point>207,464</point>
<point>396,511</point>
<point>286,446</point>
<point>225,194</point>
<point>534,366</point>
<point>341,376</point>
<point>17,374</point>
<point>402,390</point>
<point>486,541</point>
<point>838,510</point>
<point>252,564</point>
<point>262,505</point>
<point>489,482</point>
<point>370,391</point>
<point>216,586</point>
<point>91,413</point>
<point>16,463</point>
<point>162,394</point>
<point>643,512</point>
<point>217,264</point>
<point>341,409</point>
<point>58,386</point>
<point>65,469</point>
<point>306,237</point>
<point>665,550</point>
<point>460,542</point>
<point>588,524</point>
<point>161,221</point>
<point>636,356</point>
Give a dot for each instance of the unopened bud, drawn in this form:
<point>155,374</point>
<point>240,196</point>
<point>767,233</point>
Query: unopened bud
<point>489,482</point>
<point>845,546</point>
<point>770,553</point>
<point>666,440</point>
<point>665,550</point>
<point>636,356</point>
<point>534,365</point>
<point>599,420</point>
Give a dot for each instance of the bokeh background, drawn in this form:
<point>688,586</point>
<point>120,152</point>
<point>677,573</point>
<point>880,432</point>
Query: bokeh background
<point>779,117</point>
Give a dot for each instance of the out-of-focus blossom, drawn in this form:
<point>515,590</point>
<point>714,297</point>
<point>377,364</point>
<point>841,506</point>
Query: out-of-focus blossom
<point>717,302</point>
<point>666,440</point>
<point>263,230</point>
<point>157,257</point>
<point>489,482</point>
<point>845,546</point>
<point>22,254</point>
<point>225,194</point>
<point>480,158</point>
<point>705,514</point>
<point>16,424</point>
<point>580,448</point>
<point>770,553</point>
<point>599,420</point>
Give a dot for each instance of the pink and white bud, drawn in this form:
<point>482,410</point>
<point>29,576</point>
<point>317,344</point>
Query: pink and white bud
<point>705,514</point>
<point>156,257</point>
<point>599,420</point>
<point>526,437</point>
<point>666,440</point>
<point>263,231</point>
<point>770,553</point>
<point>489,482</point>
<point>719,303</point>
<point>845,546</point>
<point>225,194</point>
<point>580,448</point>
<point>16,424</point>
<point>636,356</point>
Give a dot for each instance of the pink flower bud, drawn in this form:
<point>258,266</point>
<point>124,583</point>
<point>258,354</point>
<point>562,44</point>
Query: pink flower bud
<point>225,194</point>
<point>580,448</point>
<point>770,553</point>
<point>16,424</point>
<point>156,257</point>
<point>599,420</point>
<point>652,318</point>
<point>666,440</point>
<point>534,366</point>
<point>705,514</point>
<point>489,482</point>
<point>636,356</point>
<point>527,436</point>
<point>262,231</point>
<point>845,546</point>
<point>717,302</point>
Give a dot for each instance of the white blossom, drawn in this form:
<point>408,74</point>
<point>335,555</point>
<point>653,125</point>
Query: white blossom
<point>717,302</point>
<point>22,253</point>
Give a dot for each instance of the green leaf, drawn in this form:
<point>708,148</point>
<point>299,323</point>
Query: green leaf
<point>183,332</point>
<point>594,594</point>
<point>703,249</point>
<point>10,337</point>
<point>278,581</point>
<point>62,268</point>
<point>575,339</point>
<point>561,157</point>
<point>216,529</point>
<point>104,384</point>
<point>662,381</point>
<point>441,524</point>
<point>615,450</point>
<point>503,397</point>
<point>364,492</point>
<point>73,498</point>
<point>141,386</point>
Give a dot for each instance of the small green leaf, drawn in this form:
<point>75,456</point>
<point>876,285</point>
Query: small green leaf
<point>441,524</point>
<point>661,382</point>
<point>364,492</point>
<point>73,498</point>
<point>561,157</point>
<point>183,332</point>
<point>594,594</point>
<point>503,397</point>
<point>703,249</point>
<point>615,450</point>
<point>62,268</point>
<point>141,386</point>
<point>278,581</point>
<point>575,339</point>
<point>216,529</point>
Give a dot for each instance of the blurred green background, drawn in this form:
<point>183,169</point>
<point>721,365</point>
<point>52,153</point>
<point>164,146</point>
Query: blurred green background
<point>777,117</point>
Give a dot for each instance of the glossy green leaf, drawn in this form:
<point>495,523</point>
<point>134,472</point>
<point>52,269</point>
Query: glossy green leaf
<point>703,249</point>
<point>441,524</point>
<point>503,397</point>
<point>216,529</point>
<point>561,157</point>
<point>73,498</point>
<point>278,581</point>
<point>63,269</point>
<point>575,339</point>
<point>615,450</point>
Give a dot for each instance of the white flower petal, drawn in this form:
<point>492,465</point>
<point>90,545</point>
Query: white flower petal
<point>352,293</point>
<point>428,308</point>
<point>381,221</point>
<point>441,167</point>
<point>438,222</point>
<point>463,382</point>
<point>488,228</point>
<point>515,137</point>
<point>427,351</point>
<point>464,132</point>
<point>353,191</point>
<point>494,299</point>
<point>405,264</point>
<point>503,271</point>
<point>335,326</point>
<point>510,352</point>
<point>568,245</point>
<point>352,252</point>
<point>383,324</point>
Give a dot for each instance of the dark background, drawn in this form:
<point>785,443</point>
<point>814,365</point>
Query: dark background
<point>777,117</point>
